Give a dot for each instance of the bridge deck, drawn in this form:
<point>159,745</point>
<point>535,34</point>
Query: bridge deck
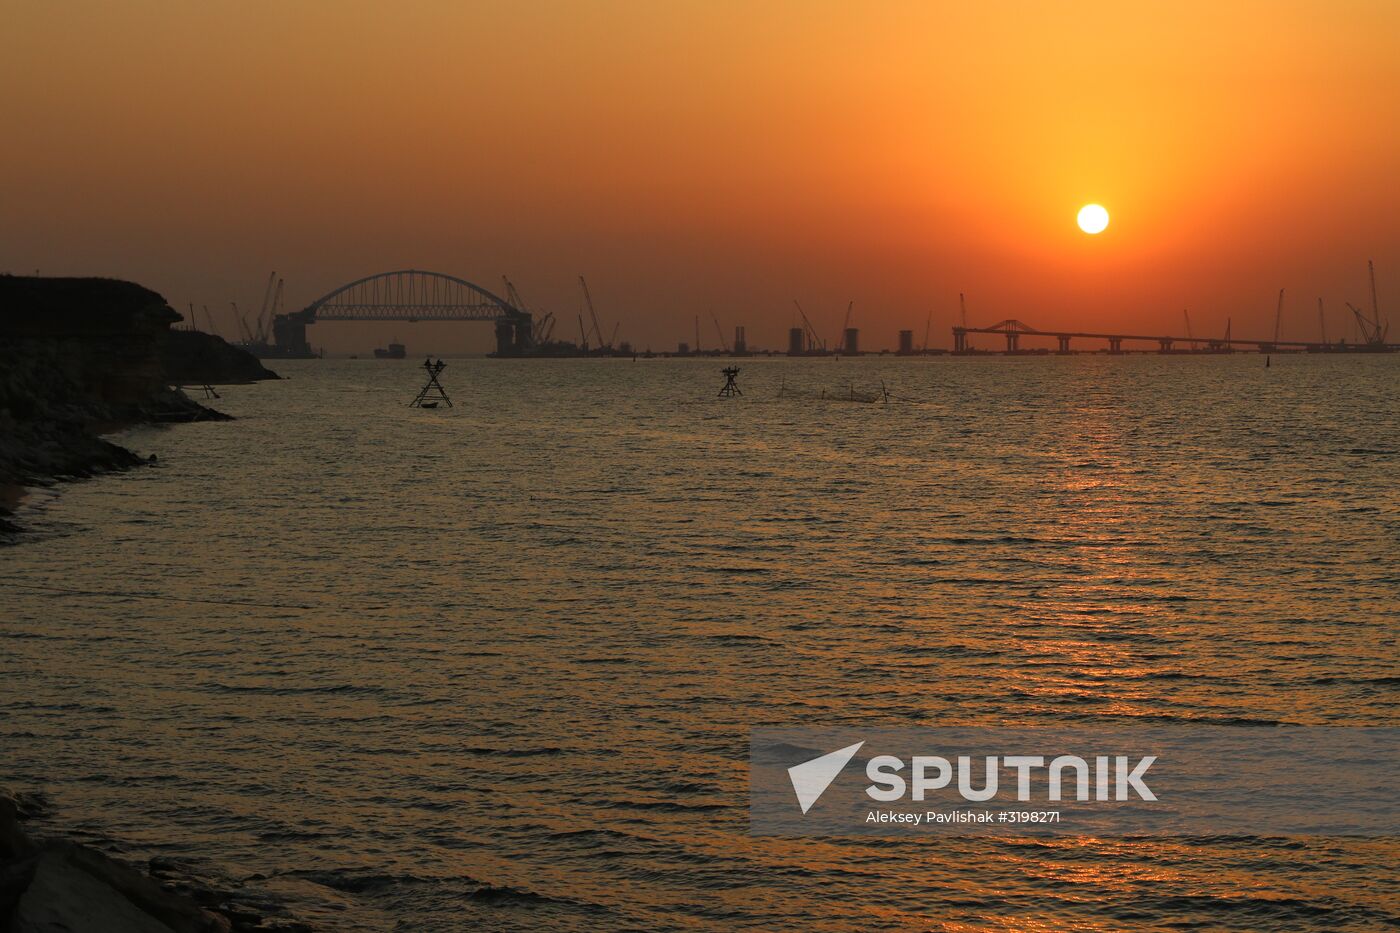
<point>1015,334</point>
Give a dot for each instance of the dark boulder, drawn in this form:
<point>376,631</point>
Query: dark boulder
<point>14,842</point>
<point>62,886</point>
<point>80,889</point>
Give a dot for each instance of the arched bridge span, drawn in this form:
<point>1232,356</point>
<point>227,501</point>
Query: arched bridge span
<point>408,295</point>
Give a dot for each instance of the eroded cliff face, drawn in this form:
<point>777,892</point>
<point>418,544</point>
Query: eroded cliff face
<point>78,356</point>
<point>89,341</point>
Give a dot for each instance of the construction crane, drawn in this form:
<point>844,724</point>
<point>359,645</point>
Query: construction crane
<point>1278,316</point>
<point>268,312</point>
<point>928,322</point>
<point>261,333</point>
<point>1371,331</point>
<point>697,333</point>
<point>537,328</point>
<point>1368,331</point>
<point>272,313</point>
<point>846,326</point>
<point>724,344</point>
<point>544,327</point>
<point>210,319</point>
<point>588,300</point>
<point>512,295</point>
<point>242,324</point>
<point>962,304</point>
<point>262,311</point>
<point>813,341</point>
<point>1382,329</point>
<point>582,335</point>
<point>612,341</point>
<point>1321,322</point>
<point>1189,336</point>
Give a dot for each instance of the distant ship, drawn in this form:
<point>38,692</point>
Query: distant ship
<point>396,351</point>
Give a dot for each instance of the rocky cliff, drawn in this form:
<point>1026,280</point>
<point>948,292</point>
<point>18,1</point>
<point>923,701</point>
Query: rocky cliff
<point>192,357</point>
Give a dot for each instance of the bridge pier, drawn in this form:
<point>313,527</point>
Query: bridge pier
<point>959,340</point>
<point>289,336</point>
<point>505,338</point>
<point>513,335</point>
<point>1115,344</point>
<point>1164,345</point>
<point>1064,343</point>
<point>1013,342</point>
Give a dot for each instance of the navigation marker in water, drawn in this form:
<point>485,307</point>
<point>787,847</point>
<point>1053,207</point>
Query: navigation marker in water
<point>433,392</point>
<point>731,388</point>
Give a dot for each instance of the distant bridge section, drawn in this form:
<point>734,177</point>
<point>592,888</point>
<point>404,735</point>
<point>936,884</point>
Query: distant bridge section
<point>408,295</point>
<point>1013,331</point>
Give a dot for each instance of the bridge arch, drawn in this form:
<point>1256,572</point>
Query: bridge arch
<point>409,295</point>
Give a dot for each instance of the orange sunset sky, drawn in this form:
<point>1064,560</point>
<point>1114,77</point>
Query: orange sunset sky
<point>691,157</point>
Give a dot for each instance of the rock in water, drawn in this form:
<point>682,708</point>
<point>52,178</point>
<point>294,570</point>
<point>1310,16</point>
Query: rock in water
<point>56,886</point>
<point>14,844</point>
<point>63,897</point>
<point>70,878</point>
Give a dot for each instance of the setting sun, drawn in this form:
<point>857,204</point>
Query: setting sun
<point>1093,218</point>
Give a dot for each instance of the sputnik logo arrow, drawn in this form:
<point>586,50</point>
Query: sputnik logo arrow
<point>811,778</point>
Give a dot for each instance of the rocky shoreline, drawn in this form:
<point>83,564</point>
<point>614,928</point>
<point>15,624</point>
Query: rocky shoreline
<point>53,451</point>
<point>80,357</point>
<point>54,884</point>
